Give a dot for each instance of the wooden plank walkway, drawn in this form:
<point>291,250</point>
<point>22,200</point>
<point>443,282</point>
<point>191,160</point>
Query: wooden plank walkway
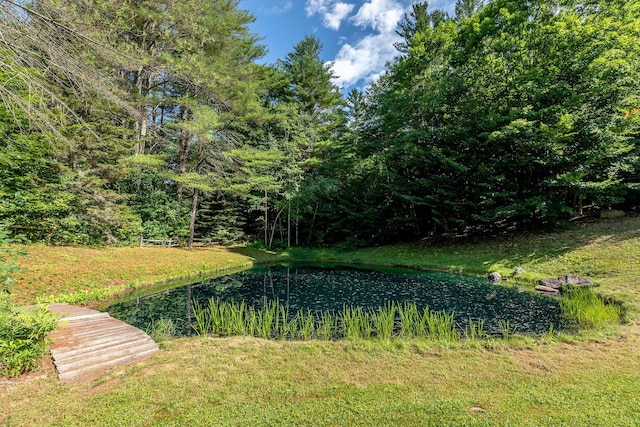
<point>89,342</point>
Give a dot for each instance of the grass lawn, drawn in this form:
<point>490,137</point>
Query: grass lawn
<point>88,275</point>
<point>585,380</point>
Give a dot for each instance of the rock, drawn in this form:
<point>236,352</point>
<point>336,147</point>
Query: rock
<point>582,282</point>
<point>541,288</point>
<point>612,214</point>
<point>518,271</point>
<point>566,280</point>
<point>555,284</point>
<point>494,277</point>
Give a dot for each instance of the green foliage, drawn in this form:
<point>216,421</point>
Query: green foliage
<point>8,255</point>
<point>354,323</point>
<point>23,340</point>
<point>383,321</point>
<point>513,114</point>
<point>510,114</point>
<point>507,330</point>
<point>273,321</point>
<point>475,330</point>
<point>161,330</point>
<point>588,310</point>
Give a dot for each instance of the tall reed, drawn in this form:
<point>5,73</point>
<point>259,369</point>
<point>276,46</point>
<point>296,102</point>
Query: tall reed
<point>355,323</point>
<point>411,321</point>
<point>202,325</point>
<point>475,330</point>
<point>304,325</point>
<point>587,309</point>
<point>327,328</point>
<point>506,329</point>
<point>383,320</point>
<point>273,321</point>
<point>440,326</point>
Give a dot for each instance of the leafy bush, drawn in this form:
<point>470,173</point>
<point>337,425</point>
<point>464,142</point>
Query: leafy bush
<point>8,254</point>
<point>23,341</point>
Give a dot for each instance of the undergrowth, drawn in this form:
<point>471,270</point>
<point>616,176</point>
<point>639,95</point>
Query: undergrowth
<point>23,341</point>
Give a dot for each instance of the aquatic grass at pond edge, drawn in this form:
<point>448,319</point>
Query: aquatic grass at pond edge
<point>588,310</point>
<point>273,322</point>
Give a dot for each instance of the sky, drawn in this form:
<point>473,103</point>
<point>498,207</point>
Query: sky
<point>357,35</point>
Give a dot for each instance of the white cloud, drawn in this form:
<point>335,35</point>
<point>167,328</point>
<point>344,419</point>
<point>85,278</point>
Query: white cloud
<point>339,12</point>
<point>316,6</point>
<point>333,12</point>
<point>381,15</point>
<point>365,60</point>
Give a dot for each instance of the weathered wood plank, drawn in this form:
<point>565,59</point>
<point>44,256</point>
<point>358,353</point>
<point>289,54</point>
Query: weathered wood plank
<point>89,342</point>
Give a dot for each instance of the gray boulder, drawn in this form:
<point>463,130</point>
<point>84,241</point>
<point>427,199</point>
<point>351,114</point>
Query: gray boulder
<point>518,271</point>
<point>494,277</point>
<point>551,283</point>
<point>582,282</point>
<point>564,281</point>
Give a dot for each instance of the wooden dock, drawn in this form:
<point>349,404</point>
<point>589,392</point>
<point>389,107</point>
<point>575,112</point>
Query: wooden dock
<point>89,342</point>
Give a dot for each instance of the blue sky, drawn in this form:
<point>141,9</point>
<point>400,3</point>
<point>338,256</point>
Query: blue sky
<point>357,36</point>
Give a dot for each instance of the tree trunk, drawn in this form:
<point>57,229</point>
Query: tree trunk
<point>289,226</point>
<point>266,219</point>
<point>143,78</point>
<point>192,222</point>
<point>313,221</point>
<point>273,229</point>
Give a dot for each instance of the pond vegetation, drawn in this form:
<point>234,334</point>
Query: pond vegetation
<point>319,303</point>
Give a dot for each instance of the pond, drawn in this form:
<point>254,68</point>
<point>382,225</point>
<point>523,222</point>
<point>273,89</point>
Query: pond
<point>330,289</point>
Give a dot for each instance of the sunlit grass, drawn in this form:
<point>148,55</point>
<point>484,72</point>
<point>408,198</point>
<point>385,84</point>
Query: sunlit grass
<point>587,309</point>
<point>205,381</point>
<point>554,379</point>
<point>83,275</point>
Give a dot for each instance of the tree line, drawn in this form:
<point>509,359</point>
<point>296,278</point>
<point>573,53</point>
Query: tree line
<point>127,118</point>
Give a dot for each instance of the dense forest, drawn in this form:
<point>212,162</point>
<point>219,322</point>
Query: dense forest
<point>122,118</point>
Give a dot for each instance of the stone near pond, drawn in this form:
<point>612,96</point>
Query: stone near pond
<point>547,290</point>
<point>582,282</point>
<point>566,280</point>
<point>612,214</point>
<point>518,271</point>
<point>494,277</point>
<point>555,284</point>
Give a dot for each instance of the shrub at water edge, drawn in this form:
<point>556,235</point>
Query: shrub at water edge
<point>23,341</point>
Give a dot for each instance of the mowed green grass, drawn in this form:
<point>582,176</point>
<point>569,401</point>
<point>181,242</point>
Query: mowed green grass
<point>88,275</point>
<point>606,251</point>
<point>247,382</point>
<point>586,380</point>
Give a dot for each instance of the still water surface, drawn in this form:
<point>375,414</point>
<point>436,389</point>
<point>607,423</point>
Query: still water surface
<point>329,289</point>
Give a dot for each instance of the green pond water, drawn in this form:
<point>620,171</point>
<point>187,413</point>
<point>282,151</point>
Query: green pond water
<point>330,289</point>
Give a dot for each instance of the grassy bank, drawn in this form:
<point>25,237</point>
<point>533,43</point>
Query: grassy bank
<point>606,251</point>
<point>87,275</point>
<point>250,381</point>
